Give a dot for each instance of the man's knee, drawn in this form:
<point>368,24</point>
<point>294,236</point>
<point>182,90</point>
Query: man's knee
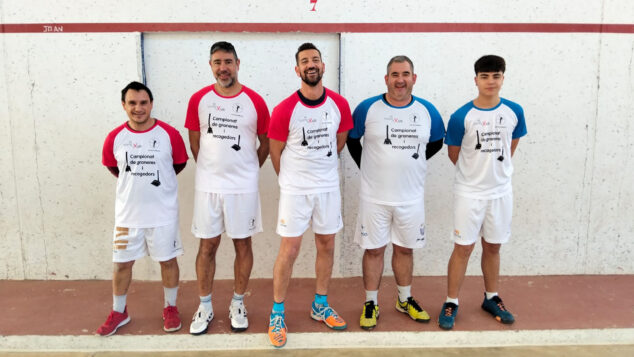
<point>209,246</point>
<point>123,267</point>
<point>169,264</point>
<point>490,248</point>
<point>376,253</point>
<point>463,251</point>
<point>242,246</point>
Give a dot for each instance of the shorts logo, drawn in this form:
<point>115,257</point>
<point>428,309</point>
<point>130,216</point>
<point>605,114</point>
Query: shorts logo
<point>422,233</point>
<point>282,222</point>
<point>363,232</point>
<point>252,223</point>
<point>456,233</point>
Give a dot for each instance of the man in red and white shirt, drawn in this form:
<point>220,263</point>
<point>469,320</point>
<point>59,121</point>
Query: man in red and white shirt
<point>224,121</point>
<point>145,154</point>
<point>307,131</point>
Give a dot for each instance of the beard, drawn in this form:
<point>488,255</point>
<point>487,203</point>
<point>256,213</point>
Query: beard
<point>225,83</point>
<point>310,82</point>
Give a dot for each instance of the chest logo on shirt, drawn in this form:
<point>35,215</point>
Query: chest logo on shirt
<point>415,119</point>
<point>154,144</point>
<point>500,122</point>
<point>237,108</point>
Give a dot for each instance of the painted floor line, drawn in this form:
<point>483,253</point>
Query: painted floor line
<point>342,340</point>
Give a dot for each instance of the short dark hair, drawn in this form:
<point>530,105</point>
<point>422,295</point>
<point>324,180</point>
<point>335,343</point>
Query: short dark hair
<point>304,47</point>
<point>223,46</point>
<point>137,86</point>
<point>489,63</point>
<point>400,59</point>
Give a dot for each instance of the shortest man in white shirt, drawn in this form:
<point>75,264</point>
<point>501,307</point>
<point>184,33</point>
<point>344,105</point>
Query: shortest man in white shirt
<point>481,138</point>
<point>145,154</point>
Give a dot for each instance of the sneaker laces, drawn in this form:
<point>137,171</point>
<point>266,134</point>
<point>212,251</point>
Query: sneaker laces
<point>499,303</point>
<point>449,309</point>
<point>369,309</point>
<point>414,304</point>
<point>277,322</point>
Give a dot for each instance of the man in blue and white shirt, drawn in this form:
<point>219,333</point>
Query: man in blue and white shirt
<point>400,132</point>
<point>481,138</point>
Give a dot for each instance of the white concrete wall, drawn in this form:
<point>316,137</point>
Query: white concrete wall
<point>59,97</point>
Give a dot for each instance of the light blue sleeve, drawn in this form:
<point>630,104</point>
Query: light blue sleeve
<point>359,116</point>
<point>455,128</point>
<point>437,125</point>
<point>520,128</point>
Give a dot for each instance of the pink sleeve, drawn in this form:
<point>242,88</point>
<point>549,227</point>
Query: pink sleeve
<point>281,118</point>
<point>261,109</point>
<point>179,153</point>
<point>107,153</point>
<point>192,122</point>
<point>344,109</point>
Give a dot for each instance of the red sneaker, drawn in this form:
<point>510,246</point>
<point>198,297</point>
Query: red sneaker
<point>113,322</point>
<point>172,322</point>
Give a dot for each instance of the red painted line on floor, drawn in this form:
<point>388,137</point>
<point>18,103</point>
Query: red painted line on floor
<point>317,27</point>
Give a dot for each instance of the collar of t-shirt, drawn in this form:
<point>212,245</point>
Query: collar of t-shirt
<point>309,102</point>
<point>385,100</point>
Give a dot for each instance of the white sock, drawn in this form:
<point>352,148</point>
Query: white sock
<point>205,301</point>
<point>404,292</point>
<point>237,298</point>
<point>455,301</point>
<point>491,295</point>
<point>372,295</point>
<point>170,296</point>
<point>118,302</point>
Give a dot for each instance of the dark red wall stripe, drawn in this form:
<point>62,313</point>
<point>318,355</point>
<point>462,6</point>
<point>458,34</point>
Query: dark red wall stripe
<point>317,27</point>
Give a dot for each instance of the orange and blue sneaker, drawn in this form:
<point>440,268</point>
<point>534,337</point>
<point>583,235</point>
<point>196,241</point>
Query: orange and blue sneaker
<point>495,307</point>
<point>412,309</point>
<point>369,315</point>
<point>277,329</point>
<point>328,315</point>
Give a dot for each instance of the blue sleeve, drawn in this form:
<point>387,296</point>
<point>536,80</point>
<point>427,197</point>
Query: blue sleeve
<point>358,117</point>
<point>520,128</point>
<point>437,125</point>
<point>455,130</point>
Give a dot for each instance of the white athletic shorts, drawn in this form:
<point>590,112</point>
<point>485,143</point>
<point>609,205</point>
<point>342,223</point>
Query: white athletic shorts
<point>160,243</point>
<point>295,213</point>
<point>378,224</point>
<point>238,214</point>
<point>474,218</point>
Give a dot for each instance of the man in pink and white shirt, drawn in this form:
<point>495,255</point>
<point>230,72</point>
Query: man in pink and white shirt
<point>145,154</point>
<point>224,121</point>
<point>307,131</point>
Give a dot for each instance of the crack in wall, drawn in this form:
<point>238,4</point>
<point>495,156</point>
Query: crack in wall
<point>37,163</point>
<point>588,174</point>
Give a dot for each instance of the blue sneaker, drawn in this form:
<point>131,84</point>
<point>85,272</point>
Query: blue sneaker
<point>447,315</point>
<point>328,315</point>
<point>495,307</point>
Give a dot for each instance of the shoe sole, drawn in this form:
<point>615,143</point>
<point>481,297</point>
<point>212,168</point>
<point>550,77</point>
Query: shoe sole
<point>173,329</point>
<point>400,309</point>
<point>239,329</point>
<point>122,323</point>
<point>317,318</point>
<point>498,318</point>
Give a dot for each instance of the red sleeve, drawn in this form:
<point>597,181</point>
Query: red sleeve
<point>281,118</point>
<point>346,122</point>
<point>179,153</point>
<point>192,122</point>
<point>107,153</point>
<point>261,109</point>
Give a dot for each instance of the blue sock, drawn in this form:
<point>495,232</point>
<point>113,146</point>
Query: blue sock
<point>321,300</point>
<point>278,307</point>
